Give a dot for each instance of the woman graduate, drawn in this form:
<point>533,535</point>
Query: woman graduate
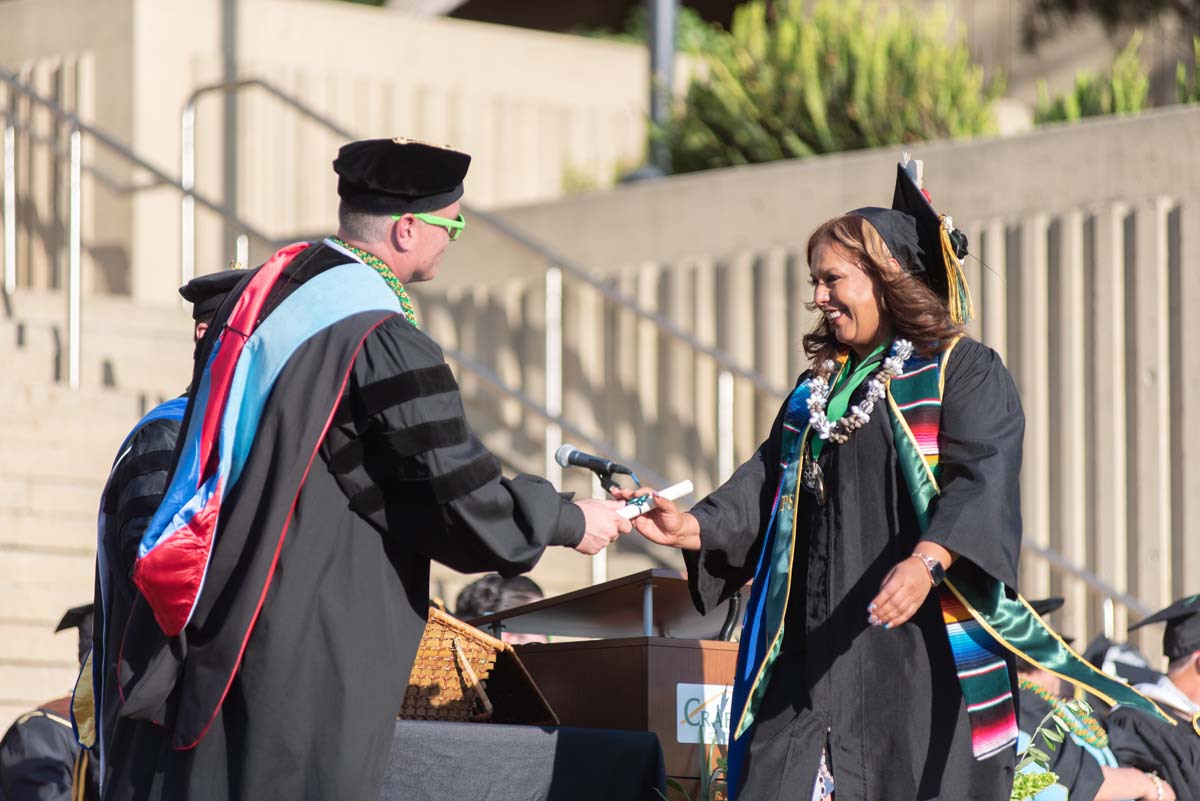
<point>894,464</point>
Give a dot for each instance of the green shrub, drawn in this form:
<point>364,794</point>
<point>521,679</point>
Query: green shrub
<point>692,31</point>
<point>846,75</point>
<point>1189,89</point>
<point>1122,91</point>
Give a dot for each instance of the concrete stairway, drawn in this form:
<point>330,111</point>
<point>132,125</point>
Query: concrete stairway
<point>56,446</point>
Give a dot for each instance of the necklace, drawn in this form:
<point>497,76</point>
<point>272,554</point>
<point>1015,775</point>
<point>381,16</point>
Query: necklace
<point>385,272</point>
<point>1085,727</point>
<point>812,477</point>
<point>856,416</point>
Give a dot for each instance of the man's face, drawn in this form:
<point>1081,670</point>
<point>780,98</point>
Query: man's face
<point>429,242</point>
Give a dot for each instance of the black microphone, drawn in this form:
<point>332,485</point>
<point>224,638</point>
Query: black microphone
<point>570,456</point>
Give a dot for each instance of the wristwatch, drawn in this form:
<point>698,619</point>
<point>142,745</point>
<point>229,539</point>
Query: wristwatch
<point>937,573</point>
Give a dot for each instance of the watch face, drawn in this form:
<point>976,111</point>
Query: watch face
<point>936,572</point>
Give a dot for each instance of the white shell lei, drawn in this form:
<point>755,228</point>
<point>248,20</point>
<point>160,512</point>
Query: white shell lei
<point>859,415</point>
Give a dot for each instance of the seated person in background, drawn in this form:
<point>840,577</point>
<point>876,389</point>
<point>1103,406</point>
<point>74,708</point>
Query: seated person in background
<point>40,759</point>
<point>1141,740</point>
<point>1121,659</point>
<point>1086,768</point>
<point>494,593</point>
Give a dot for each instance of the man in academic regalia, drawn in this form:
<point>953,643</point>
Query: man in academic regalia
<point>1142,741</point>
<point>39,757</point>
<point>131,495</point>
<point>324,461</point>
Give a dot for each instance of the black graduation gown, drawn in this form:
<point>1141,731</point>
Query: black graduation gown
<point>401,480</point>
<point>887,701</point>
<point>1139,740</point>
<point>39,757</point>
<point>132,494</point>
<point>1077,770</point>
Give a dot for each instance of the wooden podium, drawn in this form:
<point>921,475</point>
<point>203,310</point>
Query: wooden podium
<point>656,665</point>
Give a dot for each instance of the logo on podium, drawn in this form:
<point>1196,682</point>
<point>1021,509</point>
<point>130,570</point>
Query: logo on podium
<point>703,713</point>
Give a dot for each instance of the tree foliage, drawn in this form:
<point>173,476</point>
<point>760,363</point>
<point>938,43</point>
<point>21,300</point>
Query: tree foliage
<point>786,82</point>
<point>1188,88</point>
<point>1123,91</point>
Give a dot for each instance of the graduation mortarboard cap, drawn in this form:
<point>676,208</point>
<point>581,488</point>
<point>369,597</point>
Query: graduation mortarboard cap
<point>79,617</point>
<point>1182,634</point>
<point>75,617</point>
<point>1044,606</point>
<point>925,243</point>
<point>206,293</point>
<point>399,176</point>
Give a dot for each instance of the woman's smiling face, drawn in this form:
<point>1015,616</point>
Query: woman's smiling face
<point>849,299</point>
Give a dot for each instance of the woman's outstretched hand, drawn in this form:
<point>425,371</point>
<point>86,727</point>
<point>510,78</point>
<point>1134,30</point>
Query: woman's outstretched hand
<point>665,524</point>
<point>906,587</point>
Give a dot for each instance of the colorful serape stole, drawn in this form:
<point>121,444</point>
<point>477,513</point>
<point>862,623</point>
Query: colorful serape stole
<point>916,403</point>
<point>983,677</point>
<point>1000,620</point>
<point>921,406</point>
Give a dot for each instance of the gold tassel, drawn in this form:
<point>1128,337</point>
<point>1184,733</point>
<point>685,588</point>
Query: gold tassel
<point>962,308</point>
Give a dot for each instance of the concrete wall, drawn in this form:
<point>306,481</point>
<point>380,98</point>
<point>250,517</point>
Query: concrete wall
<point>539,112</point>
<point>1086,237</point>
<point>85,64</point>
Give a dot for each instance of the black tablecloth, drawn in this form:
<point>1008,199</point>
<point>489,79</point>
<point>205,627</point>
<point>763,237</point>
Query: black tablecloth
<point>489,762</point>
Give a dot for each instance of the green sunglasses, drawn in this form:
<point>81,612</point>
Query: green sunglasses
<point>453,227</point>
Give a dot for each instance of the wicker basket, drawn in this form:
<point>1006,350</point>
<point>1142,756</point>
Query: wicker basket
<point>463,674</point>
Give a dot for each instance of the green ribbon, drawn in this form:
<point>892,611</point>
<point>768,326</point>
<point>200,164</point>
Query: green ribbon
<point>844,387</point>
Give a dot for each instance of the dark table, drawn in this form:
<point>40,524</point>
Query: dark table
<point>490,762</point>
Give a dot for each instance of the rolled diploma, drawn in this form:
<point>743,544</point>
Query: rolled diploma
<point>671,493</point>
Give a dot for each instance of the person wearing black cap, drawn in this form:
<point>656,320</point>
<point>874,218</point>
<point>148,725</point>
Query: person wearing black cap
<point>324,461</point>
<point>40,759</point>
<point>1138,739</point>
<point>1086,767</point>
<point>135,485</point>
<point>206,293</point>
<point>846,679</point>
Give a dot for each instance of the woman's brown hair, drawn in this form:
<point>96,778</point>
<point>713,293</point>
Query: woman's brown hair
<point>912,308</point>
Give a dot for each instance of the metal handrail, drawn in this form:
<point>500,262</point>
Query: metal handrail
<point>77,128</point>
<point>491,381</point>
<point>106,179</point>
<point>726,362</point>
<point>723,360</point>
<point>1097,584</point>
<point>494,384</point>
<point>75,123</point>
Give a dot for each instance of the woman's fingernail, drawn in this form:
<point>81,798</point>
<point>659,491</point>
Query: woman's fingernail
<point>874,621</point>
<point>887,625</point>
<point>871,608</point>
